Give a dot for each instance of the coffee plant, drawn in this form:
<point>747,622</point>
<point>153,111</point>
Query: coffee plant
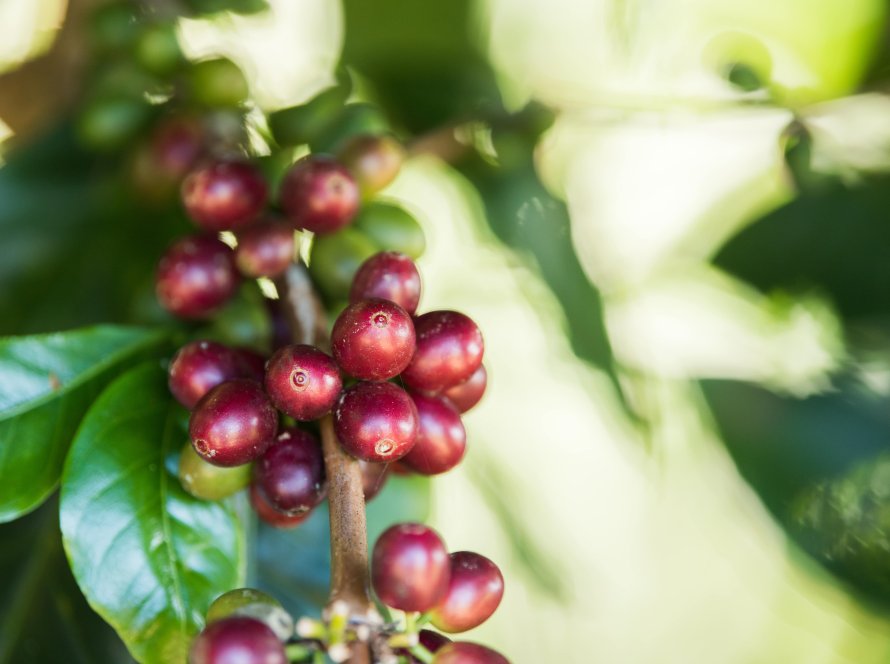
<point>301,373</point>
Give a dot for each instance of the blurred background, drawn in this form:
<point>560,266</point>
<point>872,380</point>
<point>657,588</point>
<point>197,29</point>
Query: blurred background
<point>670,220</point>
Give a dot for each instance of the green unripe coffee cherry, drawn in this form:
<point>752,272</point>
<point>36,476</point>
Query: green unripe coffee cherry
<point>107,124</point>
<point>301,124</point>
<point>119,78</point>
<point>253,604</point>
<point>335,259</point>
<point>113,27</point>
<point>218,83</point>
<point>353,119</point>
<point>374,161</point>
<point>209,482</point>
<point>391,228</point>
<point>157,49</point>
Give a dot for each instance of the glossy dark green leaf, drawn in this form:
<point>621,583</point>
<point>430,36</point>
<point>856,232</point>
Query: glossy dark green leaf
<point>148,557</point>
<point>834,240</point>
<point>45,618</point>
<point>783,445</point>
<point>79,247</point>
<point>294,565</point>
<point>47,382</point>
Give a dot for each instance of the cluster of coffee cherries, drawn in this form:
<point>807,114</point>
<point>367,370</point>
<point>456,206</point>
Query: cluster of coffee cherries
<point>138,79</point>
<point>235,397</point>
<point>411,572</point>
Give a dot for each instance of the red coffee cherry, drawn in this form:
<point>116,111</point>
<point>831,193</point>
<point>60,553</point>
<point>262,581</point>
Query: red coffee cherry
<point>467,394</point>
<point>441,438</point>
<point>475,589</point>
<point>233,424</point>
<point>410,567</point>
<point>303,382</point>
<point>374,476</point>
<point>373,339</point>
<point>176,145</point>
<point>319,195</point>
<point>237,640</point>
<point>432,641</point>
<point>251,363</point>
<point>376,421</point>
<point>290,473</point>
<point>272,516</point>
<point>449,350</point>
<point>374,161</point>
<point>224,195</point>
<point>264,249</point>
<point>195,276</point>
<point>463,652</point>
<point>198,367</point>
<point>389,276</point>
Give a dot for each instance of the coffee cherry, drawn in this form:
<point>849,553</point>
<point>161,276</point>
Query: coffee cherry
<point>319,195</point>
<point>157,49</point>
<point>237,640</point>
<point>399,468</point>
<point>374,476</point>
<point>233,424</point>
<point>196,276</point>
<point>409,567</point>
<point>449,350</point>
<point>231,601</point>
<point>475,589</point>
<point>432,641</point>
<point>251,364</point>
<point>224,195</point>
<point>198,367</point>
<point>441,438</point>
<point>110,123</point>
<point>373,339</point>
<point>462,652</point>
<point>374,161</point>
<point>208,482</point>
<point>336,258</point>
<point>176,145</point>
<point>264,249</point>
<point>217,83</point>
<point>272,516</point>
<point>389,275</point>
<point>467,394</point>
<point>290,474</point>
<point>391,227</point>
<point>376,421</point>
<point>303,382</point>
<point>255,604</point>
<point>112,27</point>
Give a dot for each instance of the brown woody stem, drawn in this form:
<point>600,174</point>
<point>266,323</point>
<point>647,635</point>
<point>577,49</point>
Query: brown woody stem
<point>350,577</point>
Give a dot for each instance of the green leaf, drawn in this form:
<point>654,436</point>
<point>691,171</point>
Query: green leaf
<point>845,523</point>
<point>45,617</point>
<point>78,246</point>
<point>782,444</point>
<point>833,240</point>
<point>295,566</point>
<point>47,382</point>
<point>148,557</point>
